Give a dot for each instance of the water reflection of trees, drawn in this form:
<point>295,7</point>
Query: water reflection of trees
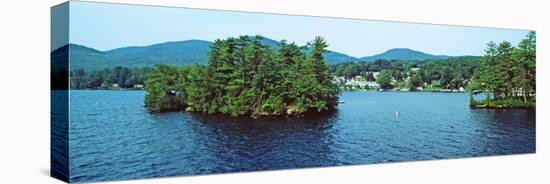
<point>503,131</point>
<point>507,117</point>
<point>245,144</point>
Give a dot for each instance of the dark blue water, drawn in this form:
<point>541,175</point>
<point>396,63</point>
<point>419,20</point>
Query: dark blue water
<point>112,136</point>
<point>59,132</point>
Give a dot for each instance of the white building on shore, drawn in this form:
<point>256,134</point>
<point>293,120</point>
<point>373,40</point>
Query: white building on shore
<point>357,81</point>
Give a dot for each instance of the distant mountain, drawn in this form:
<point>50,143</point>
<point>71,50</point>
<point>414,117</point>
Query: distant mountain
<point>59,59</point>
<point>82,57</point>
<point>175,53</point>
<point>331,57</point>
<point>189,52</point>
<point>403,54</point>
<point>192,49</point>
<point>179,53</point>
<point>272,43</point>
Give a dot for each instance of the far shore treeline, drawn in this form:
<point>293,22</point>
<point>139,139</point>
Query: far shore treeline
<point>115,78</point>
<point>425,75</point>
<point>245,77</point>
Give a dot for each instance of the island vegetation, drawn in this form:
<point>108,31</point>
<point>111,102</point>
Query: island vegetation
<point>507,75</point>
<point>245,77</point>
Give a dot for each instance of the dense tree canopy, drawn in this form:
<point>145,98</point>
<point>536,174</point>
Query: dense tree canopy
<point>384,79</point>
<point>243,77</point>
<point>507,73</point>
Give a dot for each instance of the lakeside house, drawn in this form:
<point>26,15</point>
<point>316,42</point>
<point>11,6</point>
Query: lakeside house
<point>356,81</point>
<point>375,74</point>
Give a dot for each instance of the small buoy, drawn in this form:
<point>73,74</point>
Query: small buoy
<point>396,113</point>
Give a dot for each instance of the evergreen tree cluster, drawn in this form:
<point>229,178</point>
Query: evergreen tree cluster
<point>246,77</point>
<point>508,72</point>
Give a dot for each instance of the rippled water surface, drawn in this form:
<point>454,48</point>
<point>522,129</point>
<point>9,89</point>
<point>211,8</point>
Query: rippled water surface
<point>112,136</point>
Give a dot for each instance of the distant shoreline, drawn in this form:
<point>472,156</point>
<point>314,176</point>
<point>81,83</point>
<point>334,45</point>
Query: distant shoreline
<point>395,90</point>
<point>141,89</point>
<point>109,89</point>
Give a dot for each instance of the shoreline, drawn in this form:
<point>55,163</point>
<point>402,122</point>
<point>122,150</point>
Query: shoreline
<point>499,107</point>
<point>110,89</point>
<point>142,89</point>
<point>510,104</point>
<point>395,90</point>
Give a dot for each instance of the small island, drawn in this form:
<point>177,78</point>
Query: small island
<point>506,75</point>
<point>246,77</point>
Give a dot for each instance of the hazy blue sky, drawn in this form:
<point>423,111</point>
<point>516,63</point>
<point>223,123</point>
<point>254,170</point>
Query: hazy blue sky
<point>108,26</point>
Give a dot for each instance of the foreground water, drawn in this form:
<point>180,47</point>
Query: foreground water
<point>112,136</point>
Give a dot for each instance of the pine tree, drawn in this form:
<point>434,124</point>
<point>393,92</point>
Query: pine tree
<point>525,61</point>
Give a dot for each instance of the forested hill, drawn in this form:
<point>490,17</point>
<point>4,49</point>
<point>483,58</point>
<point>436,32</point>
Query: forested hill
<point>183,53</point>
<point>403,54</point>
<point>172,53</point>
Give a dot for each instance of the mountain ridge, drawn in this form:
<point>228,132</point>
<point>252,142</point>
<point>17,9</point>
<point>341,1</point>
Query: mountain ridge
<point>400,53</point>
<point>195,51</point>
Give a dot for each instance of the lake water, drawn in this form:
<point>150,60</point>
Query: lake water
<point>112,136</point>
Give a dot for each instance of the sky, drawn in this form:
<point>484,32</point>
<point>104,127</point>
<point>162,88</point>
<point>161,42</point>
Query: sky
<point>59,26</point>
<point>108,26</point>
